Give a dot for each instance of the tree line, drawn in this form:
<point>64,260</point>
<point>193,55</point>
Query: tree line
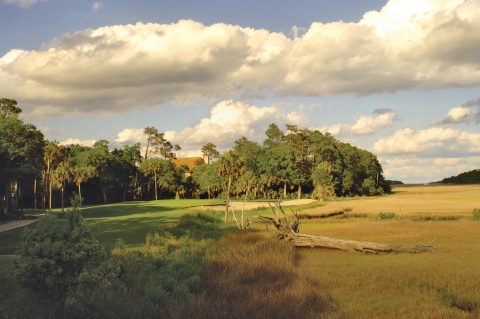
<point>470,177</point>
<point>40,174</point>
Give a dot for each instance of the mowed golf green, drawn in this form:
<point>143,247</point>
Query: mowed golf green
<point>130,221</point>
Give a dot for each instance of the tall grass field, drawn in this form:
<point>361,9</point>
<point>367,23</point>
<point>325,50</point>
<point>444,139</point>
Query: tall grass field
<point>249,274</point>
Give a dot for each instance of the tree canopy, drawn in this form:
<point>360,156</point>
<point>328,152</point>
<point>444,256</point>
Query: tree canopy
<point>296,162</point>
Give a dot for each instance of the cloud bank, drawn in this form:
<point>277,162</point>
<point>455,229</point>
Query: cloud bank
<point>365,124</point>
<point>24,3</point>
<point>434,140</point>
<point>228,121</point>
<point>118,68</point>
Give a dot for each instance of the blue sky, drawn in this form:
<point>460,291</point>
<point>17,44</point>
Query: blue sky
<point>399,78</point>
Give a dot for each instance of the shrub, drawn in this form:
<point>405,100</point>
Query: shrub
<point>54,252</point>
<point>476,214</point>
<point>198,226</point>
<point>385,216</point>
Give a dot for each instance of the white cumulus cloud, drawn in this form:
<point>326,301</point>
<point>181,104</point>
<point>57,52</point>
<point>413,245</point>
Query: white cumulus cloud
<point>365,124</point>
<point>433,140</point>
<point>75,141</point>
<point>97,6</point>
<point>24,3</point>
<point>462,114</point>
<point>407,44</point>
<point>228,121</point>
<point>415,169</point>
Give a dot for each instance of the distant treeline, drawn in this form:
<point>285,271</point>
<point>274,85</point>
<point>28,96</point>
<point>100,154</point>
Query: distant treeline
<point>37,173</point>
<point>471,177</point>
<point>394,182</point>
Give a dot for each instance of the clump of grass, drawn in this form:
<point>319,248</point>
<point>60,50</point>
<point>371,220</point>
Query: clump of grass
<point>462,303</point>
<point>386,216</point>
<point>319,216</point>
<point>254,277</point>
<point>197,226</point>
<point>347,209</point>
<point>424,218</point>
<point>354,215</point>
<point>476,214</point>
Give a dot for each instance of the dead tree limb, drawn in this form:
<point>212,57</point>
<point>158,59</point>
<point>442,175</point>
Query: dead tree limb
<point>289,231</point>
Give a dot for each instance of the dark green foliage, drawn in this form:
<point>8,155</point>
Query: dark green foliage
<point>198,226</point>
<point>54,253</point>
<point>63,272</point>
<point>21,151</point>
<point>291,164</point>
<point>471,177</point>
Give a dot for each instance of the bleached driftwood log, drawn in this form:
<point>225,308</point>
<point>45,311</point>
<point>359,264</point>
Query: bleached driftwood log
<point>289,230</point>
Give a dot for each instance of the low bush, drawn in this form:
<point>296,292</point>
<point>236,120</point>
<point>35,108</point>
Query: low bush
<point>198,226</point>
<point>435,218</point>
<point>386,216</point>
<point>476,214</point>
<point>63,271</point>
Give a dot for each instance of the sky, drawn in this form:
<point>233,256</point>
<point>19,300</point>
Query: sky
<point>399,78</point>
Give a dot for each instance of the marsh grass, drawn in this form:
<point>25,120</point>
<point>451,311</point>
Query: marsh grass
<point>442,284</point>
<point>252,276</point>
<point>405,201</point>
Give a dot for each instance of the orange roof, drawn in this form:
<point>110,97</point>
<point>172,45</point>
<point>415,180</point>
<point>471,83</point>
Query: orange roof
<point>190,162</point>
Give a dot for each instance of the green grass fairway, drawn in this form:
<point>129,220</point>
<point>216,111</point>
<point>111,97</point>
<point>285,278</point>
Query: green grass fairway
<point>130,221</point>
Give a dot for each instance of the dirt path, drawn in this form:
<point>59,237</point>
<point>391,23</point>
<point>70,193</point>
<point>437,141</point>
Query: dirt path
<point>253,205</point>
<point>17,223</point>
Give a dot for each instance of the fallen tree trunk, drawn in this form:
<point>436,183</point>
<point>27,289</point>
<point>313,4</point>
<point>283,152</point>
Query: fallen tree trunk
<point>303,240</point>
<point>287,230</point>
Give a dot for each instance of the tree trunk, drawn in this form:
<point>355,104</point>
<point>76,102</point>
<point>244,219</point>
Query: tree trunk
<point>80,192</point>
<point>312,241</point>
<point>284,189</point>
<point>7,200</point>
<point>61,200</point>
<point>49,182</point>
<point>287,230</point>
<point>20,198</point>
<point>208,192</point>
<point>146,150</point>
<point>135,187</point>
<point>228,196</point>
<point>104,195</point>
<point>35,193</point>
<point>50,196</point>
<point>156,194</point>
<point>299,193</point>
<point>17,201</point>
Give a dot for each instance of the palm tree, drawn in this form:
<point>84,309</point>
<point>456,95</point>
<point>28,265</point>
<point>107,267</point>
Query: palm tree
<point>228,166</point>
<point>52,154</point>
<point>59,177</point>
<point>152,165</point>
<point>80,175</point>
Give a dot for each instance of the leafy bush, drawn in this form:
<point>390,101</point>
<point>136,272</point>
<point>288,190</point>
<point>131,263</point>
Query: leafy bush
<point>63,271</point>
<point>476,214</point>
<point>198,226</point>
<point>386,216</point>
<point>55,252</point>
